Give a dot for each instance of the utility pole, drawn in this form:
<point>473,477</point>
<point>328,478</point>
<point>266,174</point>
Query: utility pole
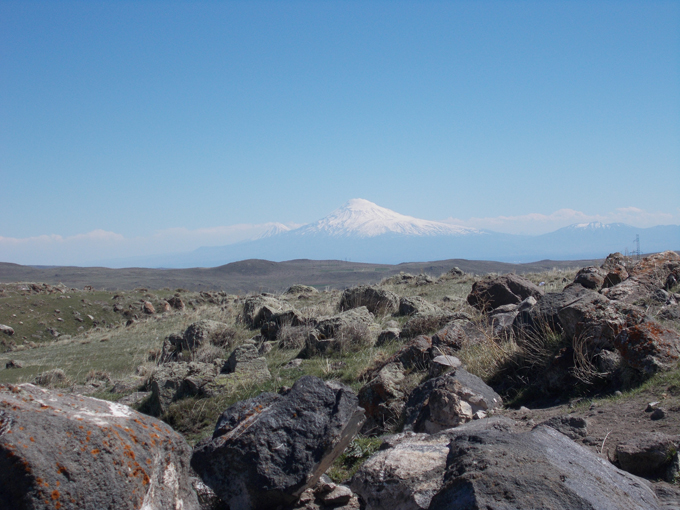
<point>637,246</point>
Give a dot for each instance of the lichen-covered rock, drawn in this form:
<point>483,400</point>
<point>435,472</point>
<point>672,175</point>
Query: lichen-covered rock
<point>377,301</point>
<point>73,452</point>
<point>266,451</point>
<point>301,289</point>
<point>648,346</point>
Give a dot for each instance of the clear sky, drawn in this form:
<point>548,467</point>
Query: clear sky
<point>128,128</point>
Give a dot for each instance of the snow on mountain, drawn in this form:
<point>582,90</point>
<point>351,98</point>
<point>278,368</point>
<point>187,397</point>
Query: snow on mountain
<point>363,219</point>
<point>273,230</point>
<point>595,225</point>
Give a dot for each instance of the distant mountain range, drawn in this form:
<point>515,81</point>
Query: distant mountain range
<point>362,231</point>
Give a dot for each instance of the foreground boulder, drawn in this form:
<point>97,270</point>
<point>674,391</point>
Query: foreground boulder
<point>377,301</point>
<point>537,469</point>
<point>73,452</point>
<point>266,451</point>
<point>408,471</point>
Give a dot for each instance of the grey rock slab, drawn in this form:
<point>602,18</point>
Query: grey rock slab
<point>74,452</point>
<point>266,451</point>
<point>537,469</point>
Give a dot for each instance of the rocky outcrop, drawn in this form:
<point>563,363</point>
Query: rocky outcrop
<point>497,291</point>
<point>266,451</point>
<point>95,454</point>
<point>377,301</point>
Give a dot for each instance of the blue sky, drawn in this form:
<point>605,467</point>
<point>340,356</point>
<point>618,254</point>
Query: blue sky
<point>128,128</point>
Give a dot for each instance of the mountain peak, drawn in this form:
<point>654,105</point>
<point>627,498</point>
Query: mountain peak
<point>362,218</point>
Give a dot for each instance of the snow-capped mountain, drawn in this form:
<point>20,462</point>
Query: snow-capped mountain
<point>361,231</point>
<point>361,218</point>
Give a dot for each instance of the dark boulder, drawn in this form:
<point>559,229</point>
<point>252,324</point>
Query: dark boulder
<point>590,277</point>
<point>266,451</point>
<point>73,452</point>
<point>497,291</point>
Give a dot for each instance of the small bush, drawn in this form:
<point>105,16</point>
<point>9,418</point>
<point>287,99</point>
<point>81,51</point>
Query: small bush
<point>353,337</point>
<point>54,377</point>
<point>98,376</point>
<point>349,462</point>
<point>293,337</point>
<point>208,353</point>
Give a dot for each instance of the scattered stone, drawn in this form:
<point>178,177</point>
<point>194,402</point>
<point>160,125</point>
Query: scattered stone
<point>97,454</point>
<point>301,289</point>
<point>13,363</point>
<point>415,304</point>
<point>148,308</point>
<point>658,414</point>
<point>509,289</point>
<point>258,309</point>
<point>443,364</point>
<point>448,401</point>
<point>648,455</point>
<point>266,451</point>
<point>200,333</point>
<point>6,330</point>
<point>176,303</point>
<point>590,277</point>
<point>377,301</point>
<point>571,426</point>
<point>387,336</point>
<point>246,360</point>
<point>329,326</point>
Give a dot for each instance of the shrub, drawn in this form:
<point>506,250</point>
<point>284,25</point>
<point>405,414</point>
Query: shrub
<point>354,336</point>
<point>293,337</point>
